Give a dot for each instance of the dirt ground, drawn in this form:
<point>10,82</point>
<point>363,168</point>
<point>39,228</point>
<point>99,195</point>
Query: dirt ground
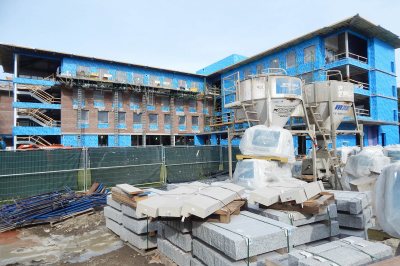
<point>83,240</point>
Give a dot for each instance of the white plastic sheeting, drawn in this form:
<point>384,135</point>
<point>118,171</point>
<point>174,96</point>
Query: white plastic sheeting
<point>387,203</point>
<point>368,163</point>
<point>392,151</point>
<point>345,152</point>
<point>254,173</point>
<point>268,141</point>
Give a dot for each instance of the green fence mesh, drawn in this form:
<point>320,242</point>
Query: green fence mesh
<point>25,173</point>
<point>189,163</point>
<point>225,158</point>
<point>131,165</point>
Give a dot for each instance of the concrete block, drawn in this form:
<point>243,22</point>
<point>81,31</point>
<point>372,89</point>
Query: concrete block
<point>113,226</point>
<point>182,241</point>
<point>363,184</point>
<point>174,253</point>
<point>297,218</point>
<point>129,189</point>
<point>131,212</point>
<point>196,262</point>
<point>209,256</point>
<point>356,221</point>
<point>346,232</point>
<point>276,259</point>
<point>210,199</point>
<point>139,226</point>
<point>113,214</point>
<point>347,251</point>
<point>143,241</point>
<point>313,232</point>
<point>113,203</point>
<point>303,193</point>
<point>262,234</point>
<point>352,202</point>
<point>271,194</point>
<point>183,227</point>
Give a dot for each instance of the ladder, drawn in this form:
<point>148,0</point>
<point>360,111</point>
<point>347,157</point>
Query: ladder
<point>116,118</point>
<point>251,116</point>
<point>326,137</point>
<point>79,117</point>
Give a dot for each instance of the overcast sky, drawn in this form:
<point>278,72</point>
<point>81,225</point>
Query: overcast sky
<point>177,34</point>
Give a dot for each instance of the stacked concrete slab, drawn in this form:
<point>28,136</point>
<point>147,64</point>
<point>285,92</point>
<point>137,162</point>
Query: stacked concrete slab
<point>347,251</point>
<point>355,213</point>
<point>310,227</point>
<point>132,228</point>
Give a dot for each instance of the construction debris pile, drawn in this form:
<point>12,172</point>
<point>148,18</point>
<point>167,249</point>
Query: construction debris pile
<point>50,207</point>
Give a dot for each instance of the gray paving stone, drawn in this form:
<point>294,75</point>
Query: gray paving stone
<point>174,253</point>
<point>297,218</point>
<point>183,241</point>
<point>114,226</point>
<point>139,226</point>
<point>346,232</point>
<point>212,257</point>
<point>263,234</point>
<point>131,212</point>
<point>313,232</point>
<point>347,251</point>
<point>113,214</point>
<point>196,262</point>
<point>356,221</point>
<point>352,201</point>
<point>139,241</point>
<point>113,203</point>
<point>183,227</point>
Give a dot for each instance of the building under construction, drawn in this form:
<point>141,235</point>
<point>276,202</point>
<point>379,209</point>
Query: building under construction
<point>59,98</point>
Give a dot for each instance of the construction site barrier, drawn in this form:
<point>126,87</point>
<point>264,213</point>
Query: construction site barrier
<point>27,173</point>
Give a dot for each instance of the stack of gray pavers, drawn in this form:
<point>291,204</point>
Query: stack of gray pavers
<point>123,221</point>
<point>354,213</point>
<point>345,252</point>
<point>310,227</point>
<point>175,241</point>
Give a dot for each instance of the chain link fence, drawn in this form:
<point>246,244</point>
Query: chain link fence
<point>26,173</point>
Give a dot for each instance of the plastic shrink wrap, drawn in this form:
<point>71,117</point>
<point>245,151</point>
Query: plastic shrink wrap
<point>254,173</point>
<point>387,202</point>
<point>268,141</point>
<point>345,152</point>
<point>392,151</point>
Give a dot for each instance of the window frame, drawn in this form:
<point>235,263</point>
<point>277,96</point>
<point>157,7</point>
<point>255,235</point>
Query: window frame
<point>312,57</point>
<point>153,115</point>
<point>133,118</point>
<point>292,53</point>
<point>98,117</point>
<point>119,120</point>
<point>179,120</point>
<point>198,120</point>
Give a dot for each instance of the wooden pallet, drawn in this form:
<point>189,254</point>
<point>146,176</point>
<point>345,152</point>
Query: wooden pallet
<point>224,214</point>
<point>125,199</point>
<point>267,158</point>
<point>314,205</point>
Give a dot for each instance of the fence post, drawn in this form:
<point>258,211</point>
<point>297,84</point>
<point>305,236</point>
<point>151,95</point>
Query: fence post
<point>163,166</point>
<point>85,167</point>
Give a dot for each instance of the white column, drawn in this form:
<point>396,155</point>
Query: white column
<point>15,97</point>
<point>346,43</point>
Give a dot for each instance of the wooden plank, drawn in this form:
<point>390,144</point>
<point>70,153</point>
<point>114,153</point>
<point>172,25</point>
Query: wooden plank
<point>395,261</point>
<point>224,214</point>
<point>93,188</point>
<point>267,158</point>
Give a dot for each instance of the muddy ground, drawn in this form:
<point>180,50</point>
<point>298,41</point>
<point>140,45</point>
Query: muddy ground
<point>82,240</point>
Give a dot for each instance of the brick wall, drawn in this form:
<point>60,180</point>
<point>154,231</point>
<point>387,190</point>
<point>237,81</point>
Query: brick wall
<point>6,113</point>
<point>69,115</point>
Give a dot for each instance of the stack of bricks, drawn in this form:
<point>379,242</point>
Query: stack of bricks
<point>134,229</point>
<point>355,213</point>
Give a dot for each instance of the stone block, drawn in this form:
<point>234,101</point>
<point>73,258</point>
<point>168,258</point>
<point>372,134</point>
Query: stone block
<point>141,226</point>
<point>113,214</point>
<point>313,232</point>
<point>131,212</point>
<point>347,251</point>
<point>297,218</point>
<point>182,241</point>
<point>356,221</point>
<point>246,235</point>
<point>183,227</point>
<point>303,193</point>
<point>113,226</point>
<point>174,253</point>
<point>346,232</point>
<point>196,262</point>
<point>143,241</point>
<point>352,202</point>
<point>113,203</point>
